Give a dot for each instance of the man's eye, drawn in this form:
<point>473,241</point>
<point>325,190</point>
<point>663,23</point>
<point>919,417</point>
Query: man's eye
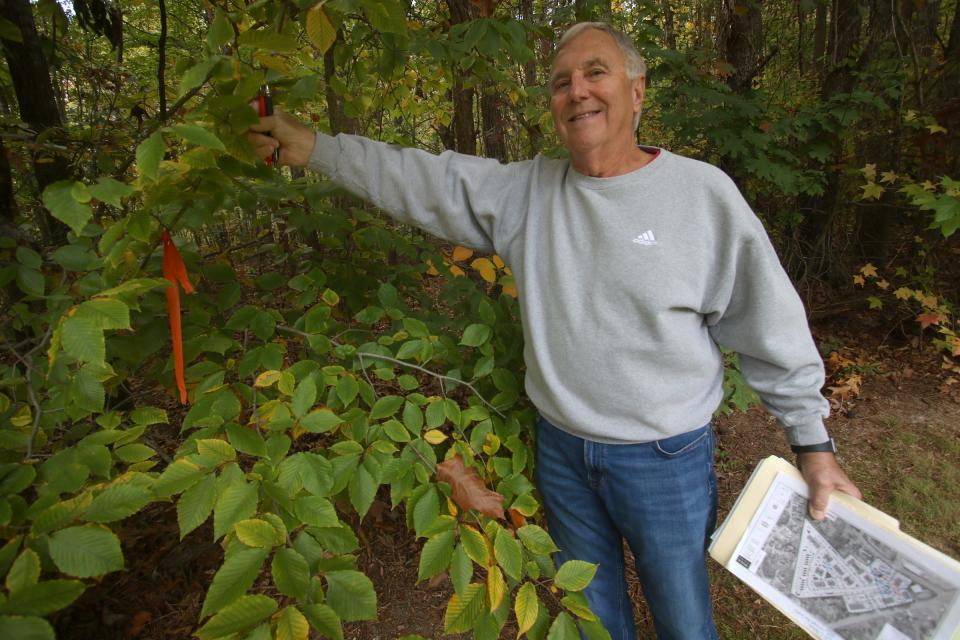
<point>597,72</point>
<point>560,84</point>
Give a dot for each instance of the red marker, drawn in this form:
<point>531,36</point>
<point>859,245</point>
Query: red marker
<point>265,108</point>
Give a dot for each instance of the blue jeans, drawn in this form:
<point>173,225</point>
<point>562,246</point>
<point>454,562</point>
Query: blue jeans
<point>661,497</point>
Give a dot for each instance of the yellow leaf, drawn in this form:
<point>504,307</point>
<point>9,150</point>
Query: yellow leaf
<point>869,270</point>
<point>498,261</point>
<point>526,607</point>
<point>869,172</point>
<point>903,293</point>
<point>909,115</point>
<point>267,378</point>
<point>496,587</point>
<point>928,186</point>
<point>888,176</point>
<point>319,29</point>
<point>452,507</point>
<point>872,191</point>
<point>511,291</point>
<point>271,61</point>
<point>457,271</point>
<point>930,302</point>
<point>462,253</point>
<point>434,436</point>
<point>431,270</point>
<point>485,268</point>
<point>858,279</point>
<point>883,284</point>
<point>935,128</point>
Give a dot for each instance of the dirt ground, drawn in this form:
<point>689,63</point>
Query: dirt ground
<point>160,594</point>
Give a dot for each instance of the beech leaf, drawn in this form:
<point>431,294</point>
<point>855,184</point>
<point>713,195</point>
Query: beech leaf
<point>469,492</point>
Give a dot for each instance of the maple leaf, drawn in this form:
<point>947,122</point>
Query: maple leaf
<point>888,176</point>
<point>869,270</point>
<point>872,191</point>
<point>875,302</point>
<point>903,293</point>
<point>927,319</point>
<point>935,128</point>
<point>883,284</point>
<point>858,279</point>
<point>469,492</point>
<point>928,186</point>
<point>869,172</point>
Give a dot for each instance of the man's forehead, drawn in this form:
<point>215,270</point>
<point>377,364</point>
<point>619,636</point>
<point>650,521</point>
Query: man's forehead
<point>587,49</point>
<point>592,60</point>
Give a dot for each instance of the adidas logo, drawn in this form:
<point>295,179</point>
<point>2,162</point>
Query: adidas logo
<point>646,238</point>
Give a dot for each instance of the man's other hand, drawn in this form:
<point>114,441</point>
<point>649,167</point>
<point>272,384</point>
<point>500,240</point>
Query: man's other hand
<point>823,475</point>
<point>294,139</point>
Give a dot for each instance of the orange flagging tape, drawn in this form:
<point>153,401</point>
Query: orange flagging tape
<point>176,272</point>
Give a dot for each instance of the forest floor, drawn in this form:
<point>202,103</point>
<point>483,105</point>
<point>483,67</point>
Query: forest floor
<point>898,439</point>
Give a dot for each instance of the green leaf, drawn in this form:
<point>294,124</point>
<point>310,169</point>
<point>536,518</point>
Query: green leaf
<point>426,510</point>
<point>268,40</point>
<point>179,475</point>
<point>30,281</point>
<point>26,628</point>
<point>464,610</point>
<point>199,136</point>
<point>347,389</point>
<point>526,607</point>
<point>194,77</point>
<point>117,502</point>
<point>385,407</point>
<point>320,421</point>
<point>58,198</point>
<point>362,490</point>
<point>325,620</point>
<point>75,257</point>
<point>133,453</point>
<point>83,339</point>
<point>508,553</point>
<point>246,440</point>
<point>43,598</point>
<point>29,258</point>
<point>237,574</point>
<point>255,532</point>
<point>386,17</point>
<point>536,540</point>
<point>86,392</point>
<point>86,552</point>
<point>461,569</point>
<point>106,313</point>
<point>24,572</point>
<point>575,575</point>
<point>316,511</point>
<point>319,29</point>
<point>149,415</point>
<point>291,573</point>
<point>412,417</point>
<point>475,545</point>
<point>306,470</point>
<point>110,191</point>
<point>291,625</point>
<point>304,397</point>
<point>351,595</point>
<point>436,554</point>
<point>221,31</point>
<point>236,503</point>
<point>475,335</point>
<point>563,628</point>
<point>150,153</point>
<point>240,615</point>
<point>195,505</point>
<point>577,604</point>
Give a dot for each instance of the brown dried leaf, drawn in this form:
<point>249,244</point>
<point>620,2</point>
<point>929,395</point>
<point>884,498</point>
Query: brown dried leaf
<point>469,492</point>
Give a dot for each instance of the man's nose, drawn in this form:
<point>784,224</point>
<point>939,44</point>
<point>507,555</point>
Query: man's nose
<point>578,87</point>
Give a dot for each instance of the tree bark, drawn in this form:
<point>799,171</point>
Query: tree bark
<point>38,106</point>
<point>494,128</point>
<point>743,42</point>
<point>339,122</point>
<point>461,136</point>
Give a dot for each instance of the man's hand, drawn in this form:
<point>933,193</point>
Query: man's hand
<point>294,139</point>
<point>823,476</point>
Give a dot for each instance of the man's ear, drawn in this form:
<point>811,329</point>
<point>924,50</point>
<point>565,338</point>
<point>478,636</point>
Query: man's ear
<point>639,91</point>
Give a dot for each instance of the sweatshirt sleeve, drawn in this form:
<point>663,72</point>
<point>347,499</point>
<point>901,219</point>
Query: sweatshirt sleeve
<point>456,197</point>
<point>758,313</point>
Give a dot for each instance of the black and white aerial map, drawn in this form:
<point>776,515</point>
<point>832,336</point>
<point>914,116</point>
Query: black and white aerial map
<point>845,577</point>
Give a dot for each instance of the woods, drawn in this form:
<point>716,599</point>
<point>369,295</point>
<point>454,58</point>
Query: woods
<point>337,364</point>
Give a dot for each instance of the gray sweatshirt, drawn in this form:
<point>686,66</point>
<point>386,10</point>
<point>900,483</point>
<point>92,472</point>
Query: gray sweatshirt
<point>626,284</point>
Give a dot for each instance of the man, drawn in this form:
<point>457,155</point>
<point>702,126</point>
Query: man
<point>632,265</point>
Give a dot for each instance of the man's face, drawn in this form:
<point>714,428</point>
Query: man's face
<point>593,102</point>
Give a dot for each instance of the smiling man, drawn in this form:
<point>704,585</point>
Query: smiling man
<point>633,266</point>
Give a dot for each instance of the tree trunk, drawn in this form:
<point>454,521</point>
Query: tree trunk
<point>461,136</point>
<point>494,128</point>
<point>669,30</point>
<point>38,105</point>
<point>742,44</point>
<point>339,122</point>
<point>820,35</point>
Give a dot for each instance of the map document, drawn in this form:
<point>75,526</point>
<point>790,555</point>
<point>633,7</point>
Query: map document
<point>852,576</point>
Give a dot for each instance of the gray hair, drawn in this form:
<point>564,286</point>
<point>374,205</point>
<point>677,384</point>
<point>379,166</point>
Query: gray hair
<point>635,64</point>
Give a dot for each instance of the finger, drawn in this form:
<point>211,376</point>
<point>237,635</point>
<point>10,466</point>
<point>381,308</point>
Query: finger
<point>266,124</point>
<point>819,498</point>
